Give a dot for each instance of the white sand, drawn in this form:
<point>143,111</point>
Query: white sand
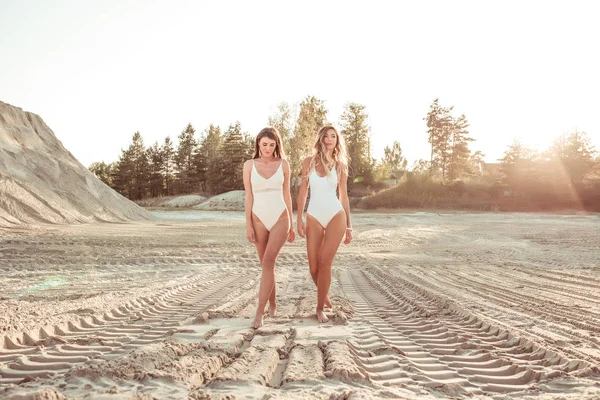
<point>485,306</point>
<point>41,182</point>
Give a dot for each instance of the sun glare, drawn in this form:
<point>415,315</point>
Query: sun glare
<point>539,143</point>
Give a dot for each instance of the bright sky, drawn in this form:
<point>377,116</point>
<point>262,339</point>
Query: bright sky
<point>97,71</point>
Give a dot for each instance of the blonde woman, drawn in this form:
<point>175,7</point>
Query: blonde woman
<point>268,205</point>
<point>327,216</point>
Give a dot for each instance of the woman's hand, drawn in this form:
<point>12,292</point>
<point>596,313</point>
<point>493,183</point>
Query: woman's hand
<point>250,234</point>
<point>348,236</point>
<point>300,226</point>
<point>291,234</point>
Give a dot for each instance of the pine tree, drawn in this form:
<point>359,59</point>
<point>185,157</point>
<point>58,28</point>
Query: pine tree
<point>283,121</point>
<point>248,140</point>
<point>357,135</point>
<point>518,166</point>
<point>439,124</point>
<point>393,159</point>
<point>206,161</point>
<point>156,166</point>
<point>476,164</point>
<point>576,154</point>
<point>233,154</point>
<point>449,139</point>
<point>311,117</point>
<point>459,166</point>
<point>200,164</point>
<point>184,160</point>
<point>168,165</point>
<point>131,175</point>
<point>122,174</point>
<point>140,167</point>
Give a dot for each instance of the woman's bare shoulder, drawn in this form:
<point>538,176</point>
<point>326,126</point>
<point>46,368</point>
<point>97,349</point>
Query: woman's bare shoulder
<point>248,164</point>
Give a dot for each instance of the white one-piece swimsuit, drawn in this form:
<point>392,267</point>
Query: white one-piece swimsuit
<point>324,203</point>
<point>268,204</point>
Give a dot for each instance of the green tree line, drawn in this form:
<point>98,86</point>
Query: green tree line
<point>212,162</point>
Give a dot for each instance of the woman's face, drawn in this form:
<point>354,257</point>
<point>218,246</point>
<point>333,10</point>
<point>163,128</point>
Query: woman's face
<point>330,139</point>
<point>267,147</point>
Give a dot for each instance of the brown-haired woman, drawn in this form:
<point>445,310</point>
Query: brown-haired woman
<point>268,205</point>
<point>327,216</point>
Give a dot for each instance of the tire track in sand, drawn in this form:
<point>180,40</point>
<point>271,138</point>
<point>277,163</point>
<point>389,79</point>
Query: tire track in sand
<point>48,353</point>
<point>418,338</point>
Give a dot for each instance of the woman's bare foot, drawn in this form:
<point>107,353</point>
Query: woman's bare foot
<point>258,321</point>
<point>328,303</point>
<point>272,310</point>
<point>321,317</point>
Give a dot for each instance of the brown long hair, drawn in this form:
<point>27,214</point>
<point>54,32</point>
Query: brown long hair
<point>273,134</point>
<point>338,158</point>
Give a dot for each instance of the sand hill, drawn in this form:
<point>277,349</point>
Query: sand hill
<point>229,201</point>
<point>41,181</point>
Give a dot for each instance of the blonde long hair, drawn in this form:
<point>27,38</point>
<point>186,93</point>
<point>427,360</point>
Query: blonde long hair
<point>338,158</point>
<point>273,134</point>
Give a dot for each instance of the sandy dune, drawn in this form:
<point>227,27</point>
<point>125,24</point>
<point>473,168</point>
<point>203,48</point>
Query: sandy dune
<point>41,182</point>
<point>492,306</point>
<point>184,201</point>
<point>229,201</point>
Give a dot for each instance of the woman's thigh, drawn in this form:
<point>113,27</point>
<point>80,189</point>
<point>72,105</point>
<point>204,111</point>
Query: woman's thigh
<point>332,238</point>
<point>314,240</point>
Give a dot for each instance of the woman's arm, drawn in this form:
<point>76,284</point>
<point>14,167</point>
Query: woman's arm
<point>287,197</point>
<point>343,191</point>
<point>248,201</point>
<point>302,194</point>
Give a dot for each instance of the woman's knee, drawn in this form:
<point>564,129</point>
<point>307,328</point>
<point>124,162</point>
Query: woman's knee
<point>269,259</point>
<point>325,262</point>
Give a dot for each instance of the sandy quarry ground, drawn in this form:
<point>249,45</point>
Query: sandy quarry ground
<point>426,305</point>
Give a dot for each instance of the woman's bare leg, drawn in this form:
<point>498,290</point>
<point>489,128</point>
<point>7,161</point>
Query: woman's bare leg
<point>334,234</point>
<point>276,238</point>
<point>314,241</point>
<point>262,236</point>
